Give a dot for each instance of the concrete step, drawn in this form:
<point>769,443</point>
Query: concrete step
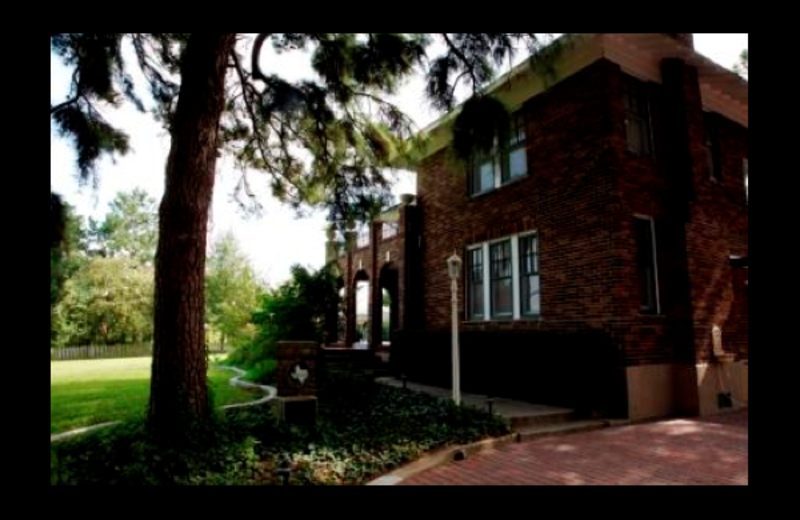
<point>544,418</point>
<point>538,431</point>
<point>346,352</point>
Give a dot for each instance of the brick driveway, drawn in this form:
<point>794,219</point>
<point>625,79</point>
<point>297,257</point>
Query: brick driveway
<point>710,450</point>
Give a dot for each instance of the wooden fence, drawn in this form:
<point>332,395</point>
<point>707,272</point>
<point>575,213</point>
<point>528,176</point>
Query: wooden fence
<point>110,351</point>
<point>101,352</point>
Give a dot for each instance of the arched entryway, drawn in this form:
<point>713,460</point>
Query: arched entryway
<point>360,316</point>
<point>388,318</point>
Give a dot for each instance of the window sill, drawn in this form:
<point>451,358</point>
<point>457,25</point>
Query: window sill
<point>501,319</point>
<point>522,319</point>
<point>473,320</point>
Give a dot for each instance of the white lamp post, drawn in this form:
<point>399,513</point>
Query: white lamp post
<point>454,270</point>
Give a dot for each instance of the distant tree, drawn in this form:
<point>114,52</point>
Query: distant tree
<point>107,301</point>
<point>232,289</point>
<point>295,310</point>
<point>741,68</point>
<point>129,229</point>
<point>66,257</point>
<point>65,247</point>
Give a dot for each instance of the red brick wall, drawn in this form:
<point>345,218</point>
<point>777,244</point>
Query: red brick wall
<point>718,229</point>
<point>568,197</point>
<point>581,194</point>
<point>647,187</point>
<point>699,224</point>
<point>735,332</point>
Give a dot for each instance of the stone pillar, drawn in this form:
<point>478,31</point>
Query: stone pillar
<point>332,313</point>
<point>376,294</point>
<point>402,271</point>
<point>410,279</point>
<point>296,381</point>
<point>680,103</point>
<point>350,291</point>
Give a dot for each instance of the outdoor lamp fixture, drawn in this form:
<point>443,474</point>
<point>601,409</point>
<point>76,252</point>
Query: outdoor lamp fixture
<point>454,270</point>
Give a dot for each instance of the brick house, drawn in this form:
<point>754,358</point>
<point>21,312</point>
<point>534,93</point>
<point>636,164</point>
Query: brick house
<point>616,210</point>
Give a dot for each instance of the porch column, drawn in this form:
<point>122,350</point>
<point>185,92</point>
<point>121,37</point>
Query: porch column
<point>376,296</point>
<point>349,292</point>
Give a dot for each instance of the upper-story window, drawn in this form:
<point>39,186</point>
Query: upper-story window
<point>710,129</point>
<point>504,163</point>
<point>638,122</point>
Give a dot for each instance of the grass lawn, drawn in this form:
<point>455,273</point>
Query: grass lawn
<point>93,391</point>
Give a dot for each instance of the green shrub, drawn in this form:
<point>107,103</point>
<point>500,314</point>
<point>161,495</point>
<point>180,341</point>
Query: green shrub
<point>294,311</point>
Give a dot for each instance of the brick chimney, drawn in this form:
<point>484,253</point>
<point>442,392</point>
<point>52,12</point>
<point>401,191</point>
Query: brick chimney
<point>685,38</point>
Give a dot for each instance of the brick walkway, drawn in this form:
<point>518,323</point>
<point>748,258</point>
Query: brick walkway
<point>678,451</point>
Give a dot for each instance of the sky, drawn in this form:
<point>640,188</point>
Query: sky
<point>279,238</point>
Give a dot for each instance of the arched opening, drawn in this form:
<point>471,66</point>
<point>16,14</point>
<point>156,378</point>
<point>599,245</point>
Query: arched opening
<point>361,287</point>
<point>341,317</point>
<point>389,314</point>
<point>386,317</point>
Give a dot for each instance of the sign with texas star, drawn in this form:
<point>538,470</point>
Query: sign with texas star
<point>299,373</point>
<point>296,373</point>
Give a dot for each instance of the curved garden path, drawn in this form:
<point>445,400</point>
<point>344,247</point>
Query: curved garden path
<point>269,391</point>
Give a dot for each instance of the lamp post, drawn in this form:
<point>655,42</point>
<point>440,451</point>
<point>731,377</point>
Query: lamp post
<point>454,270</point>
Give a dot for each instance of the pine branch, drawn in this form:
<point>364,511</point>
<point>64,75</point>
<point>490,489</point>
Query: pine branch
<point>63,105</point>
<point>248,93</point>
<point>255,56</point>
<point>467,64</point>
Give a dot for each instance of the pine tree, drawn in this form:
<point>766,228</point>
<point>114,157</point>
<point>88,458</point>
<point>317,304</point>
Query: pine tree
<point>213,98</point>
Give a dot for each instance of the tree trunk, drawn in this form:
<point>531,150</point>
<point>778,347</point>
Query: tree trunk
<point>178,389</point>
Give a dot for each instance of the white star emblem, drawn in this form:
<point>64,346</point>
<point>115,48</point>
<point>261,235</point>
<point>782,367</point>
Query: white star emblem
<point>300,374</point>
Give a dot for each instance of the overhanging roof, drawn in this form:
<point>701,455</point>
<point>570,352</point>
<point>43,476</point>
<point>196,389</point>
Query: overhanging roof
<point>638,54</point>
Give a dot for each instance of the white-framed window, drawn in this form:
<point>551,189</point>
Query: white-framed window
<point>389,229</point>
<point>530,299</point>
<point>647,266</point>
<point>474,277</point>
<point>502,278</point>
<point>505,163</point>
<point>744,174</point>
